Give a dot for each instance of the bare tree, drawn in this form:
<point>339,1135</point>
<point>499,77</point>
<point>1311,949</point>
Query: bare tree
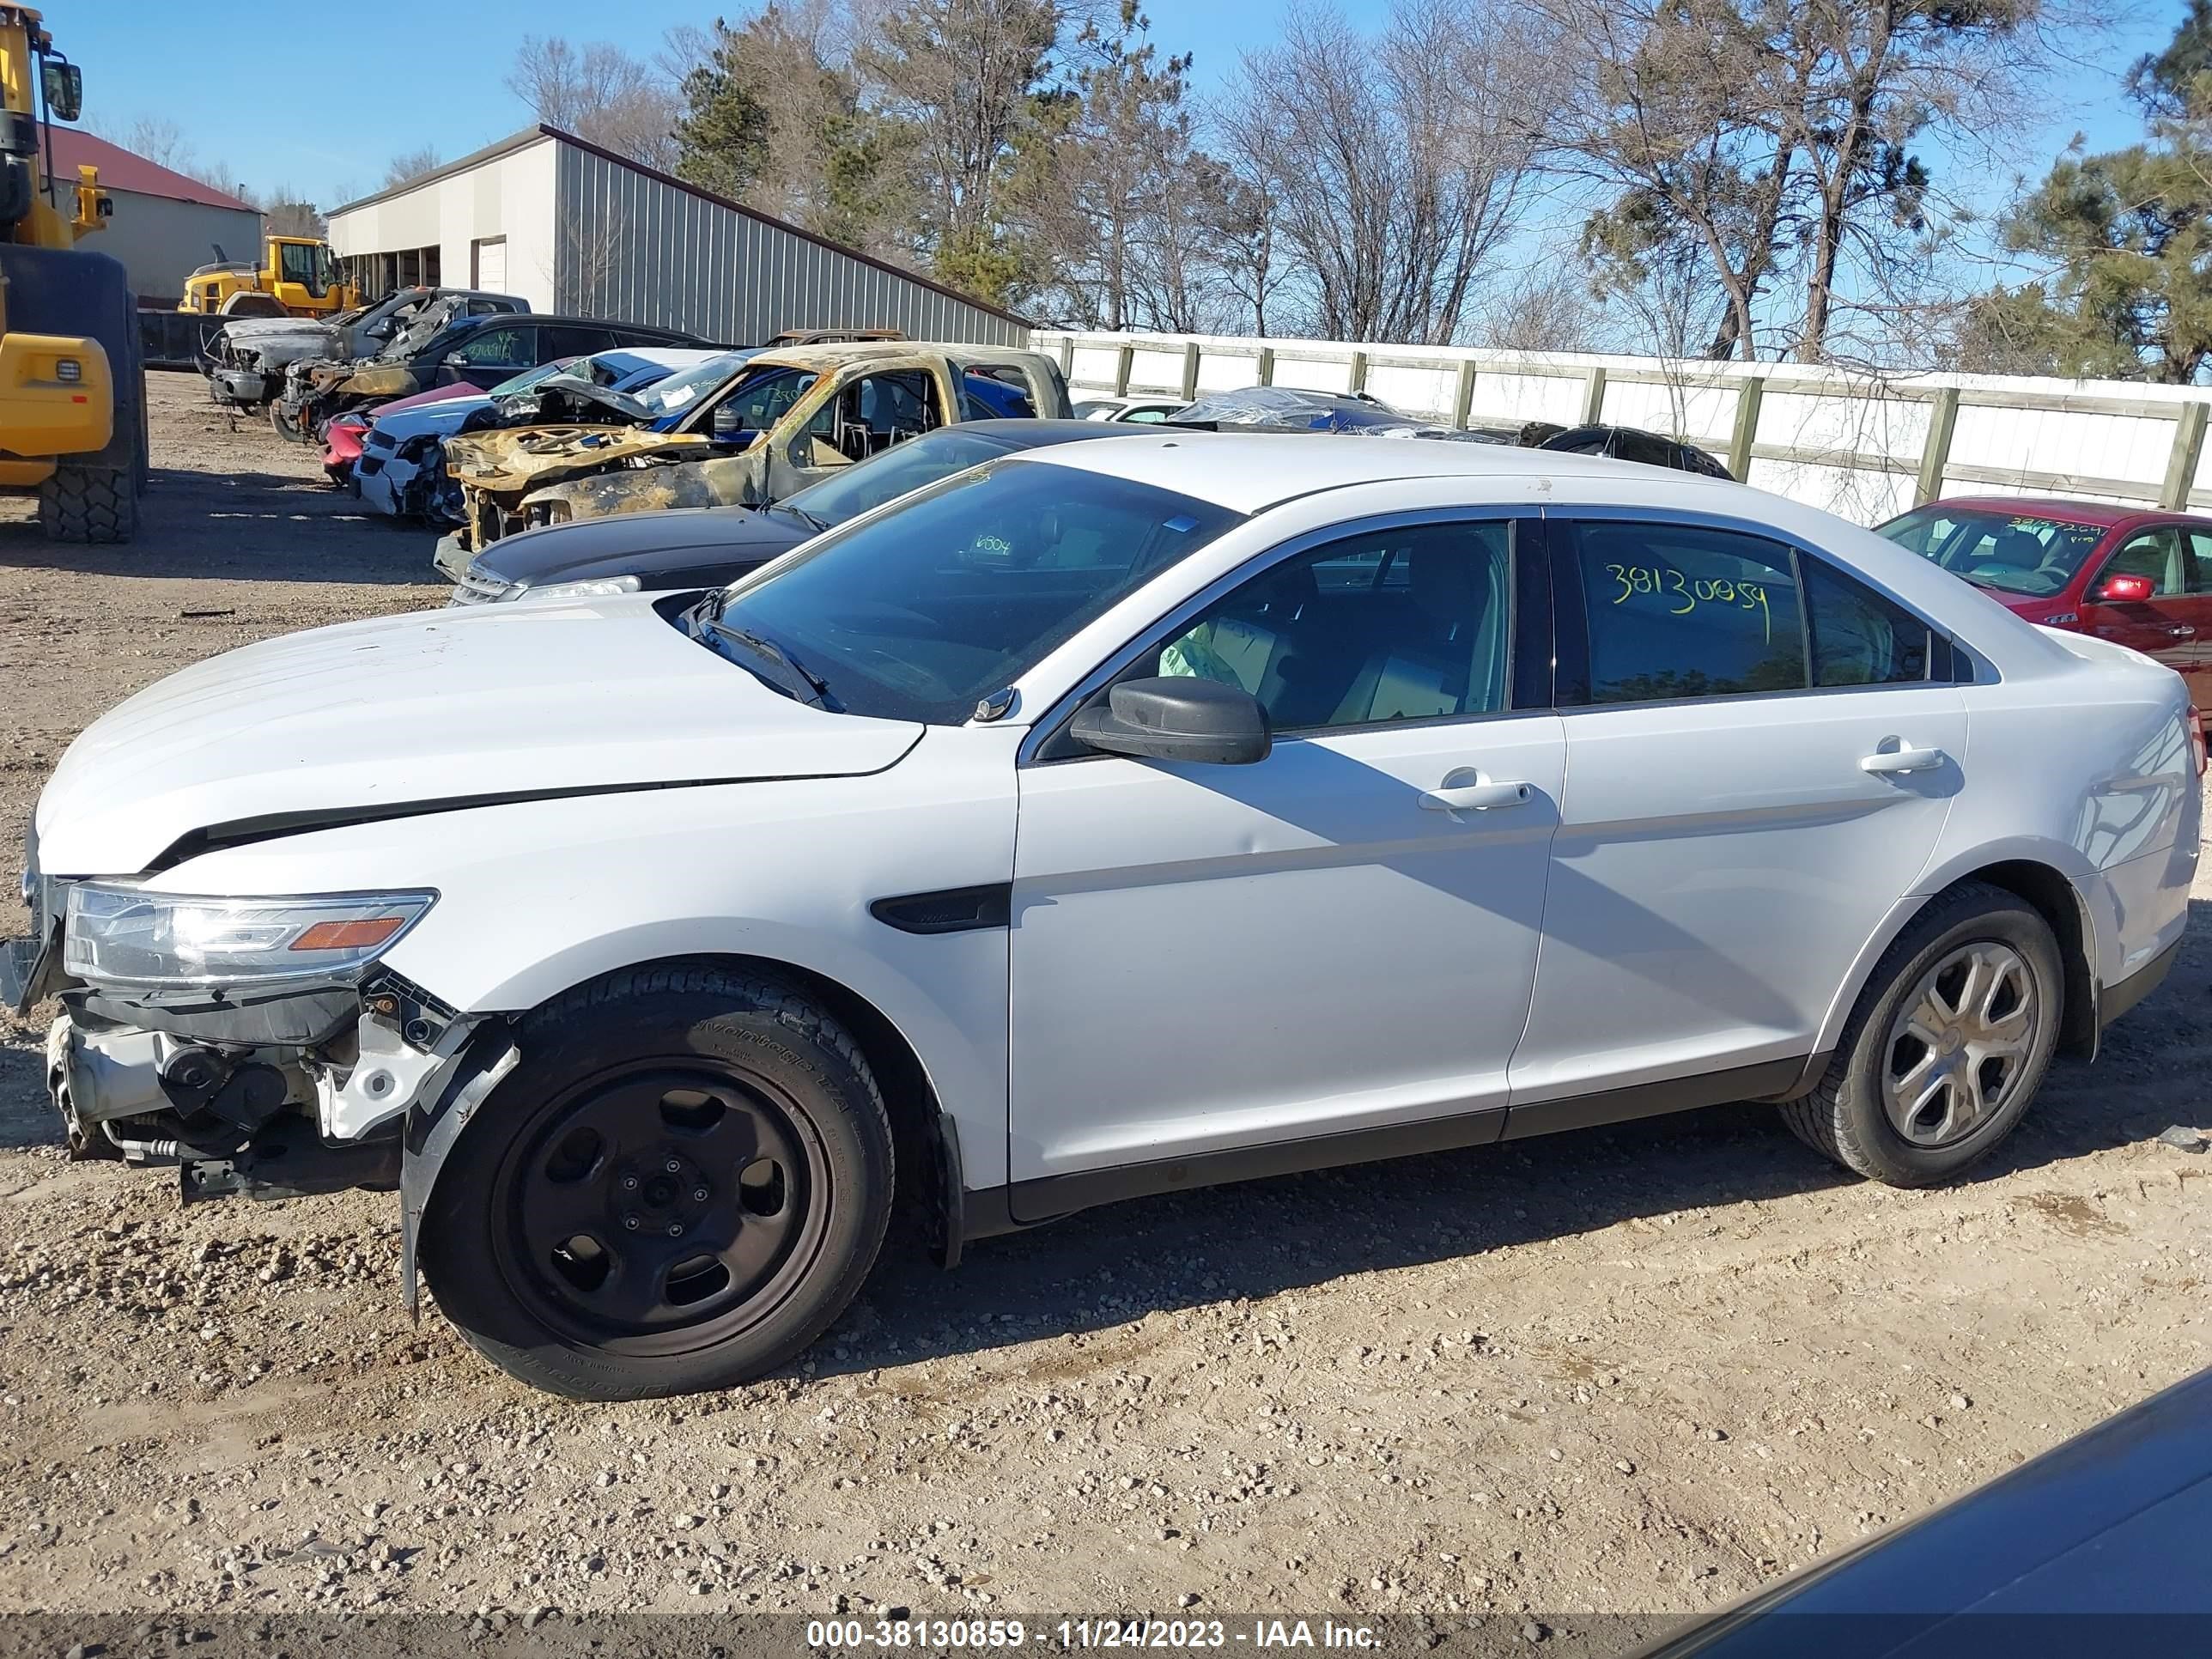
<point>1400,163</point>
<point>413,164</point>
<point>1546,306</point>
<point>1242,231</point>
<point>602,95</point>
<point>1768,140</point>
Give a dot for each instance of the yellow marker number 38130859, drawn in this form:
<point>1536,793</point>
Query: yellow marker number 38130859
<point>1681,595</point>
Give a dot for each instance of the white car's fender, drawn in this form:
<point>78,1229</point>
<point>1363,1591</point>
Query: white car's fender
<point>538,897</point>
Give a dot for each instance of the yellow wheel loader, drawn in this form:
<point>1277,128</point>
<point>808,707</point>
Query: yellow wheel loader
<point>297,277</point>
<point>72,385</point>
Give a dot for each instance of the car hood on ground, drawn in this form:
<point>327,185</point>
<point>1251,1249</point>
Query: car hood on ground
<point>643,545</point>
<point>373,719</point>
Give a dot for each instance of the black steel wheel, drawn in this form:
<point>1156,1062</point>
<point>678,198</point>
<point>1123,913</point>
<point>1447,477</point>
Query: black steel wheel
<point>685,1180</point>
<point>660,1208</point>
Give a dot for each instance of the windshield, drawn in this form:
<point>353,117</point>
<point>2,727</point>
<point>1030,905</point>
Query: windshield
<point>921,612</point>
<point>531,377</point>
<point>2013,552</point>
<point>679,390</point>
<point>856,489</point>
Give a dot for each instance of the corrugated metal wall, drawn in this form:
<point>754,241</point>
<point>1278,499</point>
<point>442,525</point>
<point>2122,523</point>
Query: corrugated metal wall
<point>633,247</point>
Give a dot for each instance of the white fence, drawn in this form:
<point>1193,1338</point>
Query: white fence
<point>1863,446</point>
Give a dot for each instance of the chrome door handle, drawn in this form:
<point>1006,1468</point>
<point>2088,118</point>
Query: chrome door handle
<point>1473,797</point>
<point>1889,763</point>
<point>2182,631</point>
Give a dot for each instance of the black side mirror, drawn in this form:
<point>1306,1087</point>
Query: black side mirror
<point>727,424</point>
<point>1177,719</point>
<point>64,88</point>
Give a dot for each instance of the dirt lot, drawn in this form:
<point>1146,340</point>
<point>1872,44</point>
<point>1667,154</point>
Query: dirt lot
<point>1638,1371</point>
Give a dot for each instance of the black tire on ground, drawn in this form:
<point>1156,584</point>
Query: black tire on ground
<point>686,1178</point>
<point>287,428</point>
<point>249,303</point>
<point>90,504</point>
<point>1846,1117</point>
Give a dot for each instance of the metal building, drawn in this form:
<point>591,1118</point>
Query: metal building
<point>165,225</point>
<point>575,228</point>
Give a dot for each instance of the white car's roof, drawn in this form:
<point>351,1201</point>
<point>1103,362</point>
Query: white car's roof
<point>1251,472</point>
<point>1248,473</point>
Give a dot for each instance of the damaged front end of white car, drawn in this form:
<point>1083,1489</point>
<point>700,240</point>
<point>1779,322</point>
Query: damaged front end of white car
<point>257,1045</point>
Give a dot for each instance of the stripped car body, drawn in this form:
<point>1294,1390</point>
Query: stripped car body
<point>247,359</point>
<point>785,419</point>
<point>466,346</point>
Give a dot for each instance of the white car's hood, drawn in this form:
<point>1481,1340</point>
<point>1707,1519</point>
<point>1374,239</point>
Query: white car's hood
<point>439,420</point>
<point>443,706</point>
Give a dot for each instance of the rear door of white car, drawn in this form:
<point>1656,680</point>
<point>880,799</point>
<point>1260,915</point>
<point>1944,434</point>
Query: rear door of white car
<point>1762,751</point>
<point>1332,941</point>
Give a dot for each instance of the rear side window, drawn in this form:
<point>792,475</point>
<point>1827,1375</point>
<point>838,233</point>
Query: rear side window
<point>563,341</point>
<point>1676,611</point>
<point>1859,638</point>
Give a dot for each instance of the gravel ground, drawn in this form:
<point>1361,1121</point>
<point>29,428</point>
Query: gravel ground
<point>1639,1370</point>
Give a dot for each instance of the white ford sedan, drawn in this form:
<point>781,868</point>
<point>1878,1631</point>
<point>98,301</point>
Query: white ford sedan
<point>1110,818</point>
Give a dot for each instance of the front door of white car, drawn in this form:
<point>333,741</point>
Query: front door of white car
<point>1761,755</point>
<point>1340,937</point>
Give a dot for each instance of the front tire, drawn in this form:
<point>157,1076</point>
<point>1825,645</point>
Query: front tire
<point>94,505</point>
<point>684,1182</point>
<point>1948,1045</point>
<point>287,427</point>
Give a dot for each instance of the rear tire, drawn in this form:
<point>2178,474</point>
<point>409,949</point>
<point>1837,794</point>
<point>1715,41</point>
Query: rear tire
<point>87,504</point>
<point>1948,1045</point>
<point>684,1182</point>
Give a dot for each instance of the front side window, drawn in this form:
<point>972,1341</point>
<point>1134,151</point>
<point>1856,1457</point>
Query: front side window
<point>2015,552</point>
<point>921,612</point>
<point>1675,612</point>
<point>496,347</point>
<point>2155,554</point>
<point>1408,624</point>
<point>760,400</point>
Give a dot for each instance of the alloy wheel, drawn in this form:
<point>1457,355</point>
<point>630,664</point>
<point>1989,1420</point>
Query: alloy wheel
<point>1959,1043</point>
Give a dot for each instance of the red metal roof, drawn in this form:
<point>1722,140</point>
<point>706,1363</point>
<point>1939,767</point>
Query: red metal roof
<point>121,170</point>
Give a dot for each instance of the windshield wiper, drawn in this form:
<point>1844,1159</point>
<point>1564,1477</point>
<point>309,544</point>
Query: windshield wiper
<point>802,515</point>
<point>767,650</point>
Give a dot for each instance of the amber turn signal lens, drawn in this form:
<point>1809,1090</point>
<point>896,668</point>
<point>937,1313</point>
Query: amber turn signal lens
<point>348,935</point>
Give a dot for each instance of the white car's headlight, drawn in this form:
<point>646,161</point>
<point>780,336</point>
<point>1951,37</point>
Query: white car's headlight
<point>126,936</point>
<point>602,587</point>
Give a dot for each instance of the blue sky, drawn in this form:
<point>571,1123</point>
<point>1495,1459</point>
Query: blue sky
<point>333,93</point>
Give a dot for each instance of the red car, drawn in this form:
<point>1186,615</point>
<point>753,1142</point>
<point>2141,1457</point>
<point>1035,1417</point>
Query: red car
<point>2139,576</point>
